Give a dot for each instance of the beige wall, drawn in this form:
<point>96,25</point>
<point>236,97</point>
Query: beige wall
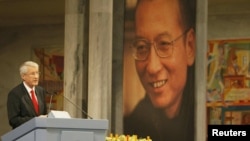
<point>228,19</point>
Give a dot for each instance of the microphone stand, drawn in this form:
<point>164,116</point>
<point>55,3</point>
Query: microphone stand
<point>78,107</point>
<point>50,101</point>
<point>85,113</point>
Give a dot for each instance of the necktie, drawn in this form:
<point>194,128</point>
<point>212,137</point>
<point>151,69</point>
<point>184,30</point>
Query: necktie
<point>34,101</point>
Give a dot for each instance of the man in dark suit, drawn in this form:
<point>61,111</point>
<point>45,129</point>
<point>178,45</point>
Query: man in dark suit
<point>22,104</point>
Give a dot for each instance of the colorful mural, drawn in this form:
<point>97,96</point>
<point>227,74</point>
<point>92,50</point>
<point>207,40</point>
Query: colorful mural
<point>228,81</point>
<point>51,61</point>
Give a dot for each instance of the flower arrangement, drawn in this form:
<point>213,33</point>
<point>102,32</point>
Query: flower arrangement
<point>126,138</point>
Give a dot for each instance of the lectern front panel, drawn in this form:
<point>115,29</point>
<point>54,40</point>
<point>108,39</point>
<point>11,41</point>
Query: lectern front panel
<point>77,136</point>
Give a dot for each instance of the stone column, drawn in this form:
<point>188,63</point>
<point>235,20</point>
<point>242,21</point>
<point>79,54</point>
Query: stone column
<point>200,70</point>
<point>117,67</point>
<point>100,58</point>
<point>88,57</point>
<point>74,70</point>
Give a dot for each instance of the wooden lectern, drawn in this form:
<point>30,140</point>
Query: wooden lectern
<point>59,129</point>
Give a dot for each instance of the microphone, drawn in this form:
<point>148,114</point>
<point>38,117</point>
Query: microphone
<point>84,112</point>
<point>50,101</point>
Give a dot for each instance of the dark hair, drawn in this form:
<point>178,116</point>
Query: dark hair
<point>188,13</point>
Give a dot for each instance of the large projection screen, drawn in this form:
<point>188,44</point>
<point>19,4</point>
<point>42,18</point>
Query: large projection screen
<point>133,90</point>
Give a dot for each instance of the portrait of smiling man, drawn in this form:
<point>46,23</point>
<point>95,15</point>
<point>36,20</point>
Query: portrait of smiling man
<point>164,54</point>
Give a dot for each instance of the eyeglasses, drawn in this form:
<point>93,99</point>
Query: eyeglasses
<point>162,45</point>
<point>33,74</point>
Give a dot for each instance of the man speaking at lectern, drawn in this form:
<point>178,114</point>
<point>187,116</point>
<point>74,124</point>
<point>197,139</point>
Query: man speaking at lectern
<point>26,100</point>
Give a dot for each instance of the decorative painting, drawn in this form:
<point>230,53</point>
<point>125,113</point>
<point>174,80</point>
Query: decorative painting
<point>228,81</point>
<point>51,62</point>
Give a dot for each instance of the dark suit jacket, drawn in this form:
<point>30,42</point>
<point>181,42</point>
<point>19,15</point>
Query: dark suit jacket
<point>19,105</point>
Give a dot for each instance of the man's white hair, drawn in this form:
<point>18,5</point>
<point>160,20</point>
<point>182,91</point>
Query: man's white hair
<point>25,65</point>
